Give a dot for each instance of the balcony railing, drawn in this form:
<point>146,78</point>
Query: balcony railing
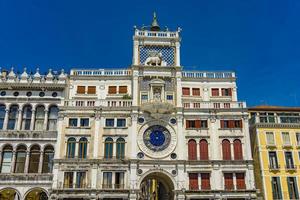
<point>266,119</point>
<point>25,177</point>
<point>290,167</point>
<point>156,34</point>
<point>211,75</point>
<point>98,103</point>
<point>212,105</point>
<point>101,72</point>
<point>113,186</point>
<point>27,134</point>
<point>274,167</point>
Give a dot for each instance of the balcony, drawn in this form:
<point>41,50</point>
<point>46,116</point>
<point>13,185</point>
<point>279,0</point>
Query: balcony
<point>287,145</point>
<point>98,103</point>
<point>207,75</point>
<point>100,72</point>
<point>271,145</point>
<point>291,167</point>
<point>26,178</point>
<point>113,186</point>
<point>156,34</point>
<point>213,105</point>
<point>274,167</point>
<point>27,134</point>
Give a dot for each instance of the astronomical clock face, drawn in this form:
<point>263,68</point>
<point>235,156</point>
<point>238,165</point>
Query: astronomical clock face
<point>157,138</point>
<point>157,141</point>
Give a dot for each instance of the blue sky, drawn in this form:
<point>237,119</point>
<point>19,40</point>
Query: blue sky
<point>259,39</point>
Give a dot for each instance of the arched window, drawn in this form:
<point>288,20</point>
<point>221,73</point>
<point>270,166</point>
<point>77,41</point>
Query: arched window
<point>120,153</point>
<point>36,194</point>
<point>9,194</point>
<point>108,152</point>
<point>82,151</point>
<point>39,118</point>
<point>226,150</point>
<point>2,115</point>
<point>12,117</point>
<point>48,159</point>
<point>20,159</point>
<point>6,159</point>
<point>192,150</point>
<point>237,149</point>
<point>26,117</point>
<point>34,159</point>
<point>71,144</point>
<point>203,150</point>
<point>52,118</point>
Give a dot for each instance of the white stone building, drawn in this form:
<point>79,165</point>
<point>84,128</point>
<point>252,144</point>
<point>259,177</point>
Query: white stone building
<point>152,130</point>
<point>28,119</point>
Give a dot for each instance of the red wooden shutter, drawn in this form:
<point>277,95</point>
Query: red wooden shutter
<point>197,124</point>
<point>193,179</point>
<point>228,181</point>
<point>240,181</point>
<point>122,89</point>
<point>196,91</point>
<point>112,89</point>
<point>192,150</point>
<point>231,124</point>
<point>230,91</point>
<point>91,90</point>
<point>223,91</point>
<point>215,91</point>
<point>80,89</point>
<point>226,150</point>
<point>238,150</point>
<point>185,91</point>
<point>203,150</point>
<point>222,123</point>
<point>205,181</point>
<point>241,124</point>
<point>188,125</point>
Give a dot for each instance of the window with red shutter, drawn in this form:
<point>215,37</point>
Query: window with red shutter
<point>226,150</point>
<point>205,181</point>
<point>91,90</point>
<point>240,181</point>
<point>192,150</point>
<point>215,91</point>
<point>238,124</point>
<point>222,124</point>
<point>231,124</point>
<point>203,150</point>
<point>186,91</point>
<point>196,91</point>
<point>197,124</point>
<point>122,89</point>
<point>112,89</point>
<point>193,181</point>
<point>228,180</point>
<point>238,150</point>
<point>80,89</point>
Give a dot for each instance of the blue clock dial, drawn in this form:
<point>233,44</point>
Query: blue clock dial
<point>157,138</point>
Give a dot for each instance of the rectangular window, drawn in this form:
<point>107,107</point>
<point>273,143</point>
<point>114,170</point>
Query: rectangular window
<point>286,138</point>
<point>68,180</point>
<point>196,91</point>
<point>240,181</point>
<point>91,90</point>
<point>270,138</point>
<point>186,91</point>
<point>6,162</point>
<point>119,180</point>
<point>80,89</point>
<point>110,122</point>
<point>228,180</point>
<point>107,180</point>
<point>226,105</point>
<point>215,92</point>
<point>231,124</point>
<point>226,92</point>
<point>122,89</point>
<point>186,105</point>
<point>84,122</point>
<point>217,105</point>
<point>73,122</point>
<point>144,97</point>
<point>205,181</point>
<point>197,105</point>
<point>276,188</point>
<point>80,180</point>
<point>298,139</point>
<point>112,89</point>
<point>196,123</point>
<point>193,181</point>
<point>273,160</point>
<point>169,97</point>
<point>292,187</point>
<point>121,122</point>
<point>289,162</point>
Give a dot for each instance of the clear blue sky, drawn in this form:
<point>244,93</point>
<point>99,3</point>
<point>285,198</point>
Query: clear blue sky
<point>259,39</point>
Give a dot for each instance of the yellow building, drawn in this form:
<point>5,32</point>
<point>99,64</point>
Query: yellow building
<point>275,137</point>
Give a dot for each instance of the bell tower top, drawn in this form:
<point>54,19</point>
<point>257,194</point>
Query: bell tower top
<point>153,46</point>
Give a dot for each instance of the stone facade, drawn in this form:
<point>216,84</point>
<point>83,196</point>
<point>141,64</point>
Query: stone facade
<point>149,131</point>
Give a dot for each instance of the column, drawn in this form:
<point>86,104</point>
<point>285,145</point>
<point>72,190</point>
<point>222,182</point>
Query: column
<point>133,136</point>
<point>247,144</point>
<point>45,120</point>
<point>27,162</point>
<point>199,181</point>
<point>5,119</point>
<point>32,120</point>
<point>234,181</point>
<point>41,162</point>
<point>135,88</point>
<point>94,176</point>
<point>60,138</point>
<point>13,162</point>
<point>234,93</point>
<point>177,54</point>
<point>232,150</point>
<point>214,146</point>
<point>96,136</point>
<point>178,90</point>
<point>182,146</point>
<point>74,179</point>
<point>135,53</point>
<point>19,121</point>
<point>198,149</point>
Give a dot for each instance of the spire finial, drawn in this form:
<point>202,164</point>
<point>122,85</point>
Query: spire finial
<point>154,25</point>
